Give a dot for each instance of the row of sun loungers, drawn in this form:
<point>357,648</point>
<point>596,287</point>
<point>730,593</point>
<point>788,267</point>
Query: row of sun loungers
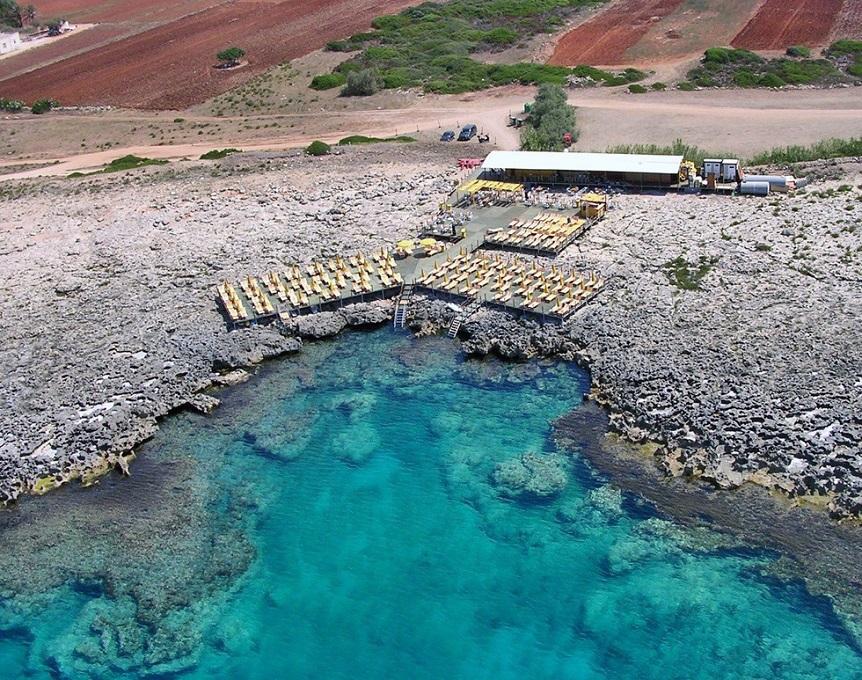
<point>547,232</point>
<point>231,302</point>
<point>302,286</point>
<point>513,282</point>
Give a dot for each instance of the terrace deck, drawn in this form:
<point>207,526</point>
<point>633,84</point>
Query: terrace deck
<point>513,284</point>
<point>320,286</point>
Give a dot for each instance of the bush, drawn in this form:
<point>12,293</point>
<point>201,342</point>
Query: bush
<point>11,105</point>
<point>744,78</point>
<point>327,81</point>
<point>729,55</point>
<point>430,45</point>
<point>362,83</point>
<point>658,86</point>
<point>637,89</point>
<point>686,86</point>
<point>678,148</point>
<point>500,37</point>
<point>829,148</point>
<point>317,148</point>
<point>845,47</point>
<point>362,139</point>
<point>551,118</point>
<point>43,105</point>
<point>770,80</point>
<point>217,154</point>
<point>230,56</point>
<point>798,51</point>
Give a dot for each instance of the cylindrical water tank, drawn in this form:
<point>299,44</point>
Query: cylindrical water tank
<point>754,188</point>
<point>777,181</point>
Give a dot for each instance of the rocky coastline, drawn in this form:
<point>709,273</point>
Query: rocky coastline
<point>726,334</point>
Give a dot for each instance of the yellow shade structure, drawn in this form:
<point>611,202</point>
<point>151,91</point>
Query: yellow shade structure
<point>405,244</point>
<point>428,242</point>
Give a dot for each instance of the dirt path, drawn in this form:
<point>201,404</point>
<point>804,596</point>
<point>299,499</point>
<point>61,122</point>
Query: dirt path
<point>738,121</point>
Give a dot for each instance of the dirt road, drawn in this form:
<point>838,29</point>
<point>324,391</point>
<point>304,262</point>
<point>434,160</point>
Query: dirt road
<point>742,122</point>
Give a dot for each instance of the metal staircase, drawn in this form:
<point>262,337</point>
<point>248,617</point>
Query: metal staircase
<point>401,306</point>
<point>466,312</point>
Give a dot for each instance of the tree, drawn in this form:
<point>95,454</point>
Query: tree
<point>362,83</point>
<point>11,14</point>
<point>550,118</point>
<point>229,57</point>
<point>30,14</point>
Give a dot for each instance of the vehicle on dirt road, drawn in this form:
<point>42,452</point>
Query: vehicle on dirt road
<point>467,133</point>
<point>447,136</point>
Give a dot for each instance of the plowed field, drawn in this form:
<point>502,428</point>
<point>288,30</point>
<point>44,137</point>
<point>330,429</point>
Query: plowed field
<point>171,66</point>
<point>604,39</point>
<point>98,11</point>
<point>782,23</point>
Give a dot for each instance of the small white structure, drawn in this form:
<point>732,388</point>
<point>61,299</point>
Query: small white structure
<point>712,166</point>
<point>729,169</point>
<point>9,42</point>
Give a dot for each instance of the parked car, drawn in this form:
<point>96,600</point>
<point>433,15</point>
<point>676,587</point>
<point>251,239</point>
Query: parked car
<point>447,136</point>
<point>467,133</point>
<point>484,137</point>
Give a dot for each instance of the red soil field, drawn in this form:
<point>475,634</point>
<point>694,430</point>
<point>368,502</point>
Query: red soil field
<point>782,23</point>
<point>604,39</point>
<point>61,48</point>
<point>171,66</point>
<point>95,11</point>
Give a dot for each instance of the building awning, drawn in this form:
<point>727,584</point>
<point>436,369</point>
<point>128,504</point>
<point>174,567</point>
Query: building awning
<point>563,161</point>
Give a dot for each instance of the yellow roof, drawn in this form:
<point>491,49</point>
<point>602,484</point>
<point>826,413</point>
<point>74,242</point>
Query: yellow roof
<point>405,245</point>
<point>594,198</point>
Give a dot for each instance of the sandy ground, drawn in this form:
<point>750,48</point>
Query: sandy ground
<point>735,121</point>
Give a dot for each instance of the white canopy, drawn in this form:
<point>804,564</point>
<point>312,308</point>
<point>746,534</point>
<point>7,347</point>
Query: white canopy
<point>582,162</point>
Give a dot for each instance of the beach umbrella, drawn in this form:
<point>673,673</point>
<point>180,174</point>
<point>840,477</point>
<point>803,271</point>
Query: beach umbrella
<point>406,244</point>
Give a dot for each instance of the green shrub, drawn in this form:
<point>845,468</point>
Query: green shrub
<point>327,81</point>
<point>217,154</point>
<point>677,148</point>
<point>500,36</point>
<point>728,55</point>
<point>361,139</point>
<point>828,148</point>
<point>317,148</point>
<point>798,51</point>
<point>744,78</point>
<point>686,86</point>
<point>43,105</point>
<point>637,89</point>
<point>841,47</point>
<point>770,80</point>
<point>230,56</point>
<point>551,118</point>
<point>11,105</point>
<point>659,86</point>
<point>362,83</point>
<point>430,45</point>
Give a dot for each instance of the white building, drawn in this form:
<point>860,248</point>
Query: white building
<point>9,42</point>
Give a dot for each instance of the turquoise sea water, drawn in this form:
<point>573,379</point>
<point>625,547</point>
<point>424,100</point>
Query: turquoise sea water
<point>335,518</point>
